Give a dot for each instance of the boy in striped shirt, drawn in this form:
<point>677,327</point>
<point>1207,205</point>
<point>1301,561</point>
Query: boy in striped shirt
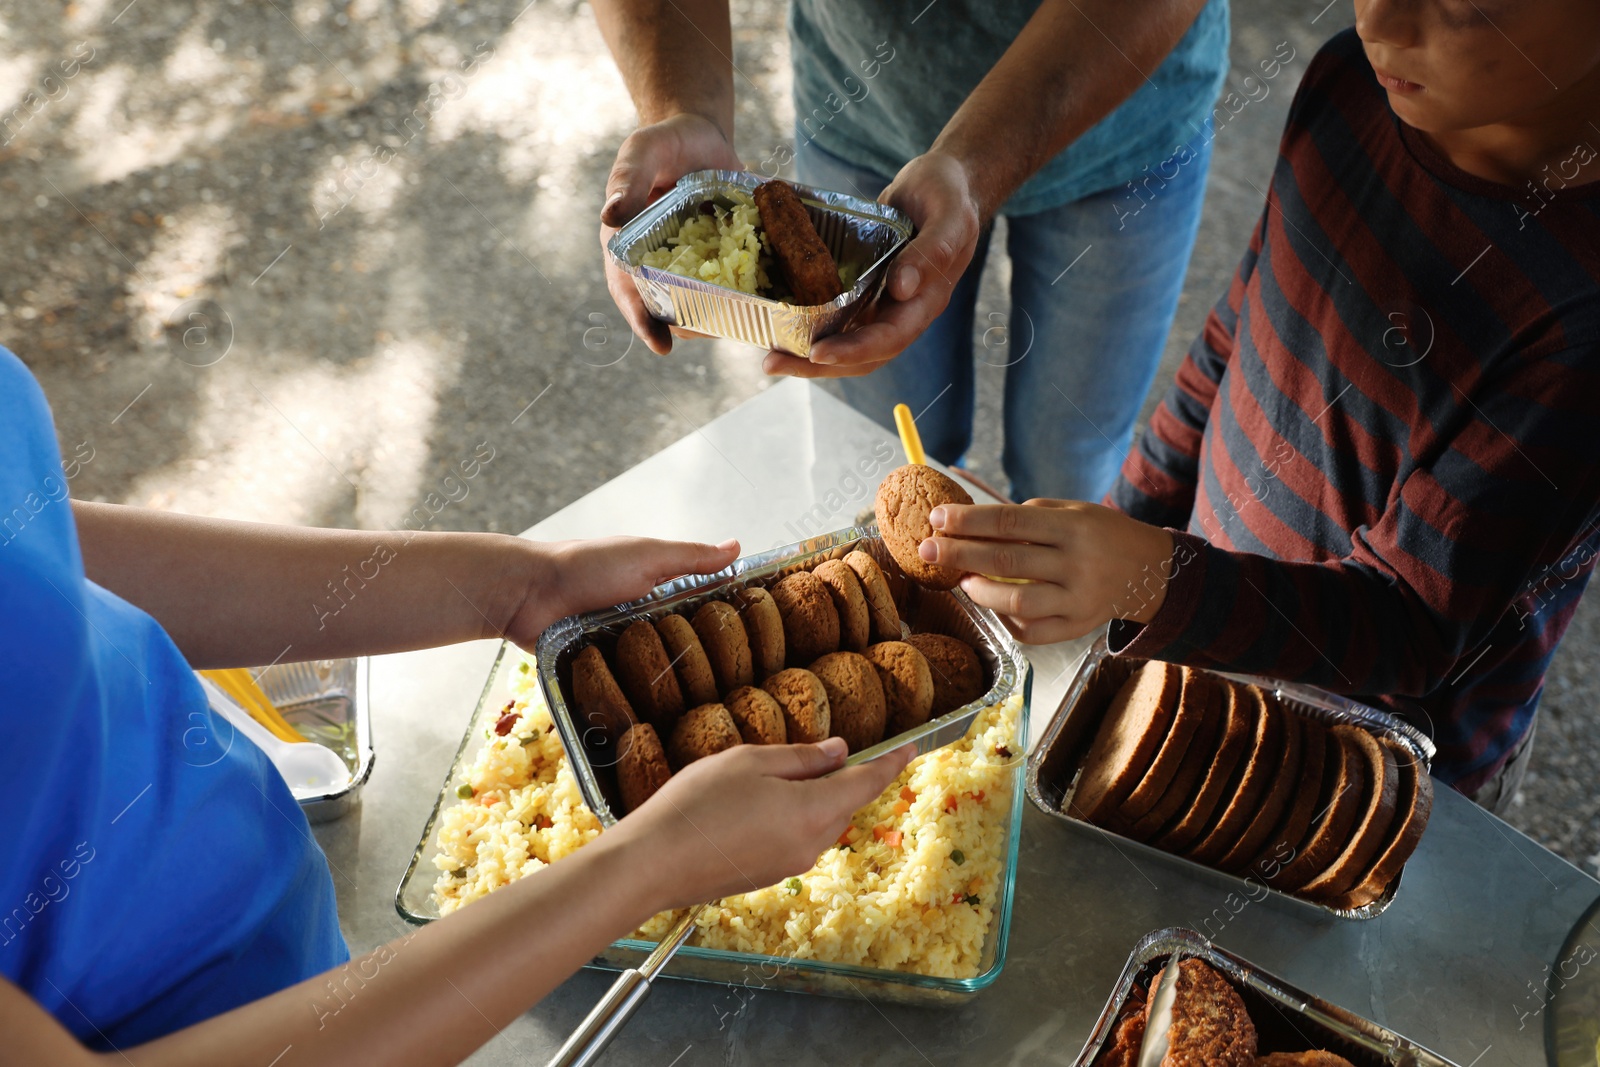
<point>1378,470</point>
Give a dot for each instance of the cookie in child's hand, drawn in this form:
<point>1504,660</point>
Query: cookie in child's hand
<point>905,497</point>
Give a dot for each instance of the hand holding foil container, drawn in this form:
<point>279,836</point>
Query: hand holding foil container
<point>593,762</point>
<point>1348,783</point>
<point>863,237</point>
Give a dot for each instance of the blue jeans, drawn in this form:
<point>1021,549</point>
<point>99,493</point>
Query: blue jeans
<point>1094,285</point>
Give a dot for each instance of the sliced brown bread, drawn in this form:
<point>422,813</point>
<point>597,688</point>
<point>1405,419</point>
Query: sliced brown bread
<point>1238,731</point>
<point>1340,801</point>
<point>1129,736</point>
<point>1383,797</point>
<point>1185,786</point>
<point>1278,848</point>
<point>1411,818</point>
<point>1257,771</point>
<point>1153,786</point>
<point>1285,783</point>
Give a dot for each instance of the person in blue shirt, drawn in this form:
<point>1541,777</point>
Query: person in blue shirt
<point>163,902</point>
<point>1086,123</point>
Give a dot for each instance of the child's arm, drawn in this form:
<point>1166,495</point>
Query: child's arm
<point>726,824</point>
<point>236,594</point>
<point>1507,515</point>
<point>1157,484</point>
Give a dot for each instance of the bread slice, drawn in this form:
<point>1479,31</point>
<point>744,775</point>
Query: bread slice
<point>1201,690</point>
<point>1285,781</point>
<point>1340,802</point>
<point>1153,786</point>
<point>1244,799</point>
<point>1278,848</point>
<point>1411,818</point>
<point>1130,734</point>
<point>1238,728</point>
<point>1383,797</point>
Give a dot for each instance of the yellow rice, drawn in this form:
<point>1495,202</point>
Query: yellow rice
<point>908,908</point>
<point>723,249</point>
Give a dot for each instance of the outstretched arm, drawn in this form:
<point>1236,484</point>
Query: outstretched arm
<point>1070,67</point>
<point>676,57</point>
<point>236,594</point>
<point>726,824</point>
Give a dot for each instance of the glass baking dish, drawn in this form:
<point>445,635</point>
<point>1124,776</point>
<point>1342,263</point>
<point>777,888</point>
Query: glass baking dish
<point>513,669</point>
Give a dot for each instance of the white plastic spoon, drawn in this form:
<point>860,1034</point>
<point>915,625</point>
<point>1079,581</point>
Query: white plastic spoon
<point>309,769</point>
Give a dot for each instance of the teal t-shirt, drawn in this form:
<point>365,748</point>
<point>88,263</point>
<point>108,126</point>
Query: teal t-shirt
<point>875,82</point>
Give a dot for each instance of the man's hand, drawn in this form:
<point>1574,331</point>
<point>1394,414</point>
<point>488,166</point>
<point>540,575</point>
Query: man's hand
<point>649,163</point>
<point>1084,564</point>
<point>748,817</point>
<point>935,190</point>
<point>574,576</point>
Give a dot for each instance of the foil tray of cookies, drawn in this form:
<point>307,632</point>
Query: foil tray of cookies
<point>1196,1003</point>
<point>1282,792</point>
<point>740,280</point>
<point>827,636</point>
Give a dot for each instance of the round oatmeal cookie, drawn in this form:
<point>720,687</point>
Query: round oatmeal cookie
<point>807,717</point>
<point>758,716</point>
<point>764,626</point>
<point>880,599</point>
<point>957,670</point>
<point>688,660</point>
<point>722,635</point>
<point>907,684</point>
<point>905,496</point>
<point>644,671</point>
<point>597,698</point>
<point>848,601</point>
<point>703,731</point>
<point>855,698</point>
<point>641,765</point>
<point>810,622</point>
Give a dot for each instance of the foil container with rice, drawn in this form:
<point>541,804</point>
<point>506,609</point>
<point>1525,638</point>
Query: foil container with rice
<point>1286,1020</point>
<point>1056,769</point>
<point>862,236</point>
<point>592,762</point>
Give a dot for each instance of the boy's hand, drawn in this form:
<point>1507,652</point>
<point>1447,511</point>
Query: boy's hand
<point>574,576</point>
<point>1085,564</point>
<point>748,817</point>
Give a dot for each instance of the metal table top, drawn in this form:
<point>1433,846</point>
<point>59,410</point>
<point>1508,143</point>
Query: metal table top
<point>1453,964</point>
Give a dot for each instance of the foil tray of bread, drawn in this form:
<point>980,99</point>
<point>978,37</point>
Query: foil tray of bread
<point>1281,792</point>
<point>1206,1005</point>
<point>326,700</point>
<point>724,299</point>
<point>584,710</point>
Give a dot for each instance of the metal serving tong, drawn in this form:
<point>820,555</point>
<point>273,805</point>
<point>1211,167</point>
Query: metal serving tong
<point>609,1016</point>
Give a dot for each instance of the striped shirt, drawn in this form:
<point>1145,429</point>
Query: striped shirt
<point>1381,457</point>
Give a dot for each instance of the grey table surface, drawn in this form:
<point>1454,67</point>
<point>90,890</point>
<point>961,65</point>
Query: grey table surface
<point>1458,962</point>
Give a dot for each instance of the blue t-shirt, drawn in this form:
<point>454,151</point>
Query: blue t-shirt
<point>154,868</point>
<point>874,83</point>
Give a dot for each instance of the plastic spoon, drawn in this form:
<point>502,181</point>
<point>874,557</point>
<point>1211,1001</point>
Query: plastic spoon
<point>309,769</point>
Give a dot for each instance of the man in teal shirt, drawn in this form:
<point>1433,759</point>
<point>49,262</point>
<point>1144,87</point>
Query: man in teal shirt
<point>1085,122</point>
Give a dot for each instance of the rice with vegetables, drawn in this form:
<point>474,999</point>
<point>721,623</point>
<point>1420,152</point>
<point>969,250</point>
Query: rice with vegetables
<point>911,885</point>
